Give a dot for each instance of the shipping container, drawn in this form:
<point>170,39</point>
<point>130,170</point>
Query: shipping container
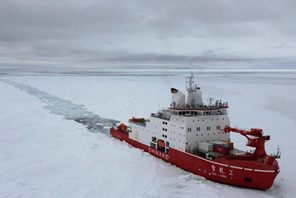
<point>206,146</point>
<point>221,149</point>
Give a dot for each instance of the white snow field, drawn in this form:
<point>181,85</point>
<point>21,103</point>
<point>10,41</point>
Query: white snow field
<point>45,153</point>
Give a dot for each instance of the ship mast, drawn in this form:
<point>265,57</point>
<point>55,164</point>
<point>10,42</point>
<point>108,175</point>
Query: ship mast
<point>193,92</point>
<point>190,90</point>
<point>190,82</point>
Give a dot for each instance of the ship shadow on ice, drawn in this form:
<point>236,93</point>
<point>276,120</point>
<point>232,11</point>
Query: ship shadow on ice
<point>70,111</point>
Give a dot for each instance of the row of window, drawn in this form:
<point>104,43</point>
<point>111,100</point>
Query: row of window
<point>209,133</point>
<point>204,120</point>
<point>208,128</point>
<point>199,113</point>
<point>197,120</point>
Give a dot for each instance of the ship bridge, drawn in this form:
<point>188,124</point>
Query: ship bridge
<point>185,124</point>
<point>199,110</point>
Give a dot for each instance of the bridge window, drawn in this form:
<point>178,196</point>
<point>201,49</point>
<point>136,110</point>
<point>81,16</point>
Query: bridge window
<point>198,128</point>
<point>217,127</point>
<point>208,128</point>
<point>189,129</point>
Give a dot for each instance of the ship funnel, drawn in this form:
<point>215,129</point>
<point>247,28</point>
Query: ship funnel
<point>194,97</point>
<point>178,98</point>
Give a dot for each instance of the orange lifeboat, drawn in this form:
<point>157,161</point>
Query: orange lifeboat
<point>160,143</point>
<point>122,127</point>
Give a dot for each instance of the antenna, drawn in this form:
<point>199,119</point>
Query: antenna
<point>193,92</point>
<point>211,101</point>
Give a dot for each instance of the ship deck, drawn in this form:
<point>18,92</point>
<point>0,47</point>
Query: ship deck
<point>213,155</point>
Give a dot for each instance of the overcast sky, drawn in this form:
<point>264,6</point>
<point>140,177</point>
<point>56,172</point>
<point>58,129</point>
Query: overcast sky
<point>147,32</point>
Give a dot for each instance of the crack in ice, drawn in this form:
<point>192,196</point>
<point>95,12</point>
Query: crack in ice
<point>69,110</point>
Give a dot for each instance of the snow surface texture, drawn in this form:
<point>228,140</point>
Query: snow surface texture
<point>44,153</point>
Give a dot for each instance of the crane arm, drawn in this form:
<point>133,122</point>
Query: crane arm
<point>255,139</point>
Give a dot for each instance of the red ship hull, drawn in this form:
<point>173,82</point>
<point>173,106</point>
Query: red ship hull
<point>260,176</point>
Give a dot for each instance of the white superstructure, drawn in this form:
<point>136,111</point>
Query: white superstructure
<point>183,126</point>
